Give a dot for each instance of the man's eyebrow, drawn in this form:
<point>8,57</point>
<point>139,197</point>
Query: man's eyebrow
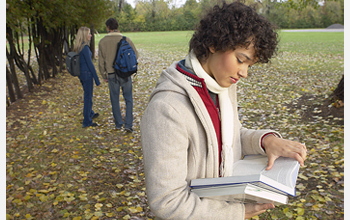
<point>246,56</point>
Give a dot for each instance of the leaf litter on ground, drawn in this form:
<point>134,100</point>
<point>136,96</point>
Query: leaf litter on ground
<point>55,169</point>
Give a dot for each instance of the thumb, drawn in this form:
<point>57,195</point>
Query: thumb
<point>271,162</point>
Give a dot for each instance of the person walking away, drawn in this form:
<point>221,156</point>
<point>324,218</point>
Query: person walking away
<point>107,49</point>
<point>87,74</point>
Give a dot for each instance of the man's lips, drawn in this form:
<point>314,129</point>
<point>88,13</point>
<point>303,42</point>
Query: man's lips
<point>234,80</point>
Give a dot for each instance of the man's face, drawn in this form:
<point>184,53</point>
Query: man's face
<point>228,67</point>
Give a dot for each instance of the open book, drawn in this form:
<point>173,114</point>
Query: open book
<point>251,170</point>
<point>246,193</point>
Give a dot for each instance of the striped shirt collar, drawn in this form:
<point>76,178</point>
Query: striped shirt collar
<point>189,74</point>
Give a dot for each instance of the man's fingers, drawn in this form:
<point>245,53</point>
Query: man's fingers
<point>304,146</point>
<point>285,148</point>
<point>299,154</point>
<point>270,162</point>
<point>264,206</point>
<point>253,209</point>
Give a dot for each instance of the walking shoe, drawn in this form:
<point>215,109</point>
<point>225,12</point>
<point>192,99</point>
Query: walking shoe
<point>129,130</point>
<point>92,125</point>
<point>95,115</point>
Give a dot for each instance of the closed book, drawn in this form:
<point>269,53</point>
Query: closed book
<point>245,193</point>
<point>252,169</point>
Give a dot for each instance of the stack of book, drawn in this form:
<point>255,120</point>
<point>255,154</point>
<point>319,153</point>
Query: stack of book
<point>251,182</point>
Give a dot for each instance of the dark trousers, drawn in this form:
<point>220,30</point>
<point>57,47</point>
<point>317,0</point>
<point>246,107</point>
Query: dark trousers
<point>88,87</point>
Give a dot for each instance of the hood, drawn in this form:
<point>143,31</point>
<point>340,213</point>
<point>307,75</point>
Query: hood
<point>171,80</point>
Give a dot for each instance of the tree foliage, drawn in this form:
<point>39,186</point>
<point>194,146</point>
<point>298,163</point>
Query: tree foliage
<point>162,15</point>
<point>40,32</point>
<point>44,31</point>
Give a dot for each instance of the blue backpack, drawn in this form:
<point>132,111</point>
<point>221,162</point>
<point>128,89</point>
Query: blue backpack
<point>125,61</point>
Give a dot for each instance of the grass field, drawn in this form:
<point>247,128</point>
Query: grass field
<point>154,39</point>
<point>313,42</point>
<point>57,170</point>
<point>304,42</point>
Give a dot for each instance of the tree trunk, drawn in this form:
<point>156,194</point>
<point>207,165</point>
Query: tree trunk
<point>18,58</point>
<point>43,55</point>
<point>34,78</point>
<point>14,79</point>
<point>92,41</point>
<point>35,36</point>
<point>120,5</point>
<point>9,85</point>
<point>339,91</point>
<point>59,54</point>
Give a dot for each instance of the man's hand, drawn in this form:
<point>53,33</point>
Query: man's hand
<point>253,209</point>
<point>276,147</point>
<point>106,80</point>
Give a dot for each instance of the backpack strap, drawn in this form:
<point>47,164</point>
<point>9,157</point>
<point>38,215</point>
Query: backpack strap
<point>118,46</point>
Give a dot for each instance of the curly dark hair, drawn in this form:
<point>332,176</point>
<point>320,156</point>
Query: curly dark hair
<point>231,26</point>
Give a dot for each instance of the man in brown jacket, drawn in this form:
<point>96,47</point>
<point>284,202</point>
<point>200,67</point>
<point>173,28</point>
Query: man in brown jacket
<point>107,49</point>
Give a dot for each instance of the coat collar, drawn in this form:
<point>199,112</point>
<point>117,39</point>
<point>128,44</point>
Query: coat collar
<point>114,34</point>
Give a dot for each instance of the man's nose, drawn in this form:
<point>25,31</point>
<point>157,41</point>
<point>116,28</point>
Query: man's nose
<point>243,73</point>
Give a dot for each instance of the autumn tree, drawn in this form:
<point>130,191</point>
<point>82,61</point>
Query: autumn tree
<point>46,29</point>
<point>161,15</point>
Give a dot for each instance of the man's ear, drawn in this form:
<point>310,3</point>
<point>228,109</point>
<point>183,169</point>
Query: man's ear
<point>212,49</point>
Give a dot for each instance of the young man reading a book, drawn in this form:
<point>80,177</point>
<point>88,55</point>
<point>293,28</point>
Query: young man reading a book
<point>191,130</point>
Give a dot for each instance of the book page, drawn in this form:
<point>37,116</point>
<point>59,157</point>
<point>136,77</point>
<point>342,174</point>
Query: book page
<point>284,170</point>
<point>250,165</point>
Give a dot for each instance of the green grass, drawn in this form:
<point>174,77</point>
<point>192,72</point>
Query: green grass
<point>331,43</point>
<point>156,40</point>
<point>312,42</point>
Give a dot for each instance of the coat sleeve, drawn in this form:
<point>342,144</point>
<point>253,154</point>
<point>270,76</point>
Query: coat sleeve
<point>165,144</point>
<point>102,61</point>
<point>252,140</point>
<point>87,56</point>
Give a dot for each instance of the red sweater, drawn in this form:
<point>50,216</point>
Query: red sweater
<point>199,85</point>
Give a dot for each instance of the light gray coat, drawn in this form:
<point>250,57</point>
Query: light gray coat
<point>179,144</point>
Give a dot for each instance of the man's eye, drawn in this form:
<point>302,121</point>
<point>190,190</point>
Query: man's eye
<point>239,61</point>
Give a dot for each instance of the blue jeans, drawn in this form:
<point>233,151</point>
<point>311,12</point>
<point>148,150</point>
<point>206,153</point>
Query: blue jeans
<point>88,86</point>
<point>114,83</point>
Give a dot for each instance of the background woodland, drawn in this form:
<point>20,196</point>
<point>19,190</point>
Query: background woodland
<point>39,33</point>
